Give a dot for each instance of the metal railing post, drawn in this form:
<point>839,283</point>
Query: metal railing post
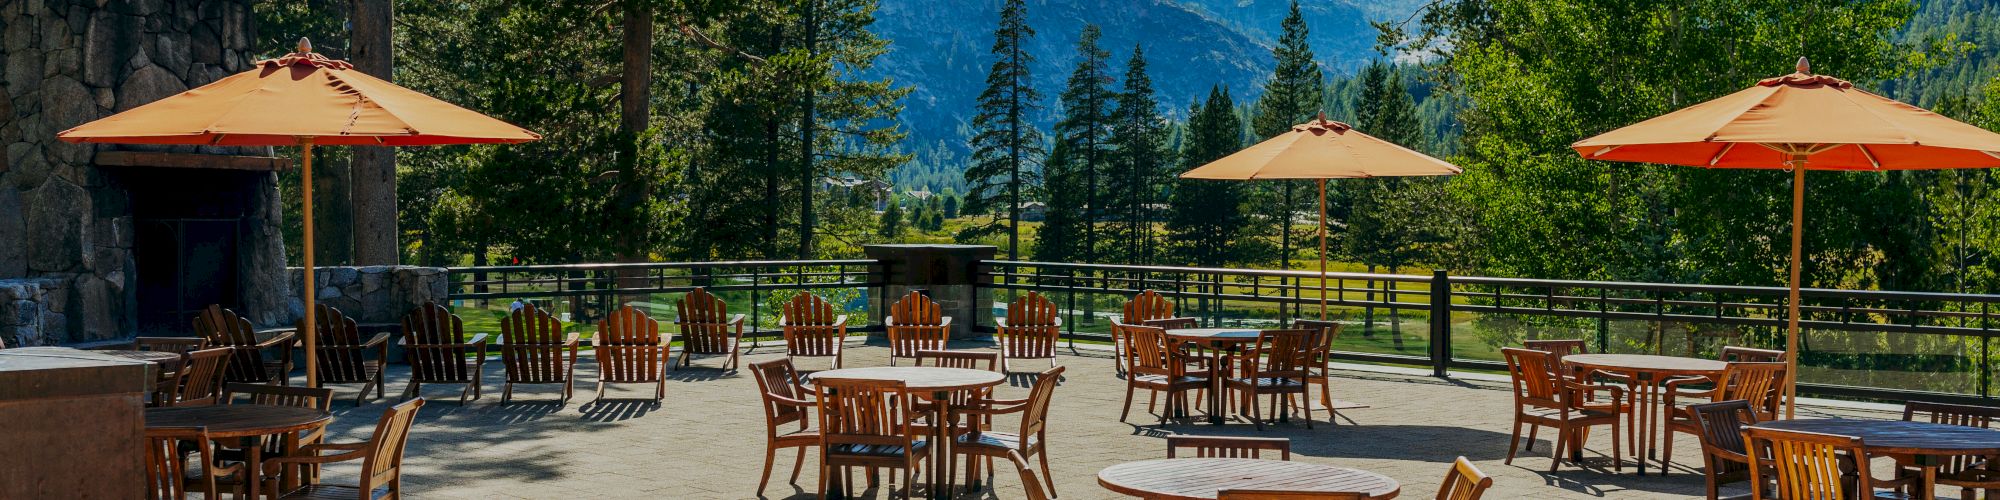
<point>1440,323</point>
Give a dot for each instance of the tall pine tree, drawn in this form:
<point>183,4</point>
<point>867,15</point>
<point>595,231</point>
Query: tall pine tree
<point>1061,236</point>
<point>1005,144</point>
<point>1389,224</point>
<point>1085,131</point>
<point>1138,166</point>
<point>1293,95</point>
<point>1206,221</point>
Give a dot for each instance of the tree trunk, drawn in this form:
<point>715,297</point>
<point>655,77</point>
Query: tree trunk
<point>373,171</point>
<point>807,128</point>
<point>332,229</point>
<point>635,96</point>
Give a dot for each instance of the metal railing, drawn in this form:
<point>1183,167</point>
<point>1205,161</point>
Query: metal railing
<point>1856,343</point>
<point>583,293</point>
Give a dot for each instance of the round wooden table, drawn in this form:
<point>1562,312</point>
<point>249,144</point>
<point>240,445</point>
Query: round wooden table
<point>1223,340</point>
<point>939,383</point>
<point>1202,478</point>
<point>1645,373</point>
<point>249,422</point>
<point>1928,444</point>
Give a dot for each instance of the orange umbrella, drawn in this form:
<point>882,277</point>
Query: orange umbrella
<point>301,99</point>
<point>1322,149</point>
<point>1800,122</point>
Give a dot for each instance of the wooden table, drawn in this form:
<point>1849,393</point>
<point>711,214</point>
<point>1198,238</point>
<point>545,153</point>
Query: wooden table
<point>1225,341</point>
<point>1202,478</point>
<point>1646,373</point>
<point>1928,444</point>
<point>249,422</point>
<point>939,383</point>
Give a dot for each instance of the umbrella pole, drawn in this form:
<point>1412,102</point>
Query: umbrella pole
<point>1322,249</point>
<point>306,327</point>
<point>1798,164</point>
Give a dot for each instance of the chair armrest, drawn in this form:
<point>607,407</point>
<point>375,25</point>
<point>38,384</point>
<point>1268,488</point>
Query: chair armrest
<point>1617,393</point>
<point>946,322</point>
<point>989,410</point>
<point>286,339</point>
<point>790,401</point>
<point>310,455</point>
<point>736,320</point>
<point>1000,322</point>
<point>1058,321</point>
<point>376,341</point>
<point>572,340</point>
<point>840,321</point>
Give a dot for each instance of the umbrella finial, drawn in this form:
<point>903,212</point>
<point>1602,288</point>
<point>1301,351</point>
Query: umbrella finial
<point>305,46</point>
<point>1804,67</point>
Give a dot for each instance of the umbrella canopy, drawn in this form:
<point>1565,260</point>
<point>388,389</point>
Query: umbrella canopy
<point>1322,149</point>
<point>300,99</point>
<point>1800,122</point>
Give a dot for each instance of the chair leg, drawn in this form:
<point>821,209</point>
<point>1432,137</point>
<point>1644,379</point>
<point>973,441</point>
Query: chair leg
<point>1047,478</point>
<point>1618,454</point>
<point>1256,416</point>
<point>770,455</point>
<point>462,393</point>
<point>824,473</point>
<point>1515,443</point>
<point>798,465</point>
<point>1305,405</point>
<point>506,392</point>
<point>600,391</point>
<point>1532,429</point>
<point>1562,439</point>
<point>412,390</point>
<point>1128,403</point>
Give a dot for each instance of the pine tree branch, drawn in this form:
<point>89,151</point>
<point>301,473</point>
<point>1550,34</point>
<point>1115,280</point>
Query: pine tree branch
<point>695,34</point>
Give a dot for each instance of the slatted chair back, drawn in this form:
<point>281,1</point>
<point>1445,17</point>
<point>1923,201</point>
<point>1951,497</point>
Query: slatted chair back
<point>1464,482</point>
<point>384,465</point>
<point>1030,481</point>
<point>1035,417</point>
<point>1759,383</point>
<point>1283,354</point>
<point>812,327</point>
<point>779,382</point>
<point>167,468</point>
<point>1241,494</point>
<point>1559,348</point>
<point>1147,306</point>
<point>630,347</point>
<point>177,345</point>
<point>970,360</point>
<point>858,414</point>
<point>1720,427</point>
<point>260,394</point>
<point>1735,354</point>
<point>202,377</point>
<point>1030,329</point>
<point>535,348</point>
<point>222,327</point>
<point>435,345</point>
<point>915,323</point>
<point>1325,332</point>
<point>1953,414</point>
<point>342,357</point>
<point>1808,465</point>
<point>1228,447</point>
<point>705,324</point>
<point>1148,353</point>
<point>1534,382</point>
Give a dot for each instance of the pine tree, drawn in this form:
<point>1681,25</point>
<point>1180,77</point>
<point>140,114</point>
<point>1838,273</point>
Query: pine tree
<point>1388,222</point>
<point>950,206</point>
<point>1005,144</point>
<point>1206,217</point>
<point>1061,237</point>
<point>1137,169</point>
<point>1085,130</point>
<point>1292,96</point>
<point>891,223</point>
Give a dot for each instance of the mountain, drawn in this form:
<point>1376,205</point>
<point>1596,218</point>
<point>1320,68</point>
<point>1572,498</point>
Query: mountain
<point>939,49</point>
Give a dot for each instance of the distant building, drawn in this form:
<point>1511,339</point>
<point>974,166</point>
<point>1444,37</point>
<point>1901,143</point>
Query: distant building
<point>1034,211</point>
<point>919,195</point>
<point>874,190</point>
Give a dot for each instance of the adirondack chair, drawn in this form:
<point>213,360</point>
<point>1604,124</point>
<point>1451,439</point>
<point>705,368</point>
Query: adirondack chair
<point>1029,331</point>
<point>812,329</point>
<point>435,346</point>
<point>915,323</point>
<point>344,356</point>
<point>707,328</point>
<point>1148,308</point>
<point>631,350</point>
<point>223,328</point>
<point>536,351</point>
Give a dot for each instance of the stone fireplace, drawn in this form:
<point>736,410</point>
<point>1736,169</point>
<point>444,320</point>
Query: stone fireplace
<point>104,242</point>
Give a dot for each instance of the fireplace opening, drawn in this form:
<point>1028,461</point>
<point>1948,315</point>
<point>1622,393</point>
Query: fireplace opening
<point>190,229</point>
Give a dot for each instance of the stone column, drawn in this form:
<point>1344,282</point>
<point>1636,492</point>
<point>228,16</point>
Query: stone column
<point>946,273</point>
<point>74,423</point>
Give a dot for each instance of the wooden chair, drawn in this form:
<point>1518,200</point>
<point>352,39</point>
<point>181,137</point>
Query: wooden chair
<point>1148,308</point>
<point>344,357</point>
<point>381,459</point>
<point>631,350</point>
<point>1723,455</point>
<point>1543,398</point>
<point>222,327</point>
<point>1286,495</point>
<point>1735,354</point>
<point>168,383</point>
<point>1030,440</point>
<point>1229,447</point>
<point>1325,333</point>
<point>1157,366</point>
<point>169,473</point>
<point>812,329</point>
<point>1029,482</point>
<point>201,378</point>
<point>1760,383</point>
<point>275,446</point>
<point>1808,465</point>
<point>866,423</point>
<point>1278,366</point>
<point>707,328</point>
<point>1464,482</point>
<point>970,360</point>
<point>435,346</point>
<point>915,323</point>
<point>536,350</point>
<point>1968,473</point>
<point>785,403</point>
<point>1030,331</point>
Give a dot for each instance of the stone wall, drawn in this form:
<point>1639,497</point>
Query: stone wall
<point>31,312</point>
<point>62,218</point>
<point>373,294</point>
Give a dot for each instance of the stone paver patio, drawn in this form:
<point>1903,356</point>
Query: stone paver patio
<point>706,440</point>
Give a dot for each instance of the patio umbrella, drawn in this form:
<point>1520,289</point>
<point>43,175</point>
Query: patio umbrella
<point>1800,122</point>
<point>1322,149</point>
<point>302,99</point>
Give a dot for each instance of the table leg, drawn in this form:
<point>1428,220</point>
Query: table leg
<point>252,476</point>
<point>1216,385</point>
<point>1646,407</point>
<point>940,479</point>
